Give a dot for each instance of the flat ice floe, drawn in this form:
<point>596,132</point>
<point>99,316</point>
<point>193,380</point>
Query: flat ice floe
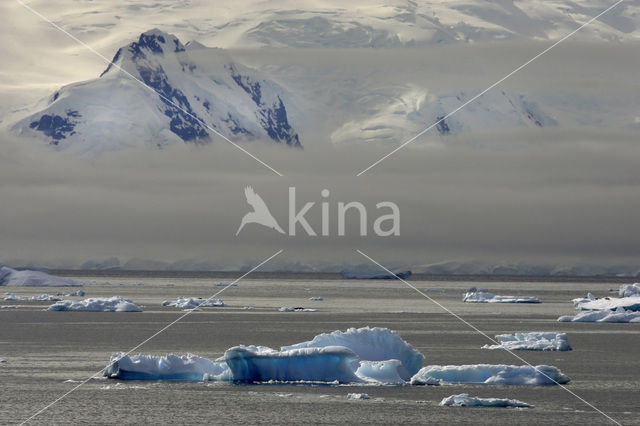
<point>27,278</point>
<point>10,297</point>
<point>299,309</point>
<point>619,315</point>
<point>368,356</point>
<point>475,295</point>
<point>464,400</point>
<point>110,304</point>
<point>534,341</point>
<point>490,374</point>
<point>192,303</point>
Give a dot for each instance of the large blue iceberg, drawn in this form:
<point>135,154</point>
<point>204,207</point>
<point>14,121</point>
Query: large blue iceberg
<point>372,356</point>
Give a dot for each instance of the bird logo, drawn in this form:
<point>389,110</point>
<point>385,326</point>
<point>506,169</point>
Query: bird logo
<point>260,214</point>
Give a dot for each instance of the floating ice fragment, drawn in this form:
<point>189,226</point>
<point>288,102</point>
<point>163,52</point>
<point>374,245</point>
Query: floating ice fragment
<point>316,299</point>
<point>358,396</point>
<point>226,285</point>
<point>619,315</point>
<point>629,303</point>
<point>493,374</point>
<point>10,297</point>
<point>380,372</point>
<point>628,290</point>
<point>475,295</point>
<point>464,400</point>
<point>192,303</point>
<point>110,304</point>
<point>534,341</point>
<point>297,309</point>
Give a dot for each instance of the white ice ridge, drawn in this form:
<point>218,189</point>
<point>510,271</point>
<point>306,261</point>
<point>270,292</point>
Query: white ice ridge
<point>170,367</point>
<point>27,278</point>
<point>464,400</point>
<point>192,302</point>
<point>618,315</point>
<point>37,298</point>
<point>371,344</point>
<point>110,304</point>
<point>475,295</point>
<point>489,374</point>
<point>533,341</point>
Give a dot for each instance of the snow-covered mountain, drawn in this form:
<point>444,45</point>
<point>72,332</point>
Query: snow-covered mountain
<point>190,90</point>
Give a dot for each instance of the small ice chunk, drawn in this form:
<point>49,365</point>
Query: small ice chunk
<point>316,299</point>
<point>249,308</point>
<point>493,374</point>
<point>619,315</point>
<point>358,396</point>
<point>533,341</point>
<point>464,400</point>
<point>110,304</point>
<point>475,295</point>
<point>226,285</point>
<point>193,303</point>
<point>297,309</point>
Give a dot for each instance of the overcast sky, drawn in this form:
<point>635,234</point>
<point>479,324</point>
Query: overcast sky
<point>551,195</point>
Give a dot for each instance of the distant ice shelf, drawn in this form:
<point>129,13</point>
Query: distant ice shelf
<point>533,341</point>
<point>110,304</point>
<point>464,400</point>
<point>475,295</point>
<point>28,278</point>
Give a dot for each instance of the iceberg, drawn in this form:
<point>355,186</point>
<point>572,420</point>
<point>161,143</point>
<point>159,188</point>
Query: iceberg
<point>10,297</point>
<point>169,367</point>
<point>492,374</point>
<point>371,344</point>
<point>367,275</point>
<point>618,315</point>
<point>192,303</point>
<point>534,341</point>
<point>28,278</point>
<point>110,304</point>
<point>475,295</point>
<point>464,400</point>
<point>262,364</point>
<point>628,290</point>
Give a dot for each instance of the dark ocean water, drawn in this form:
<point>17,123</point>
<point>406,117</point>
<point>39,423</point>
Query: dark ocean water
<point>47,353</point>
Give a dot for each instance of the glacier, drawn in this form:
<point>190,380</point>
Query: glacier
<point>371,344</point>
<point>464,400</point>
<point>197,93</point>
<point>109,304</point>
<point>532,341</point>
<point>475,295</point>
<point>490,374</point>
<point>193,303</point>
<point>29,278</point>
<point>617,315</point>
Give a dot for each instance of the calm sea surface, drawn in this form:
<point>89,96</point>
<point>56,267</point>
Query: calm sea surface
<point>47,353</point>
